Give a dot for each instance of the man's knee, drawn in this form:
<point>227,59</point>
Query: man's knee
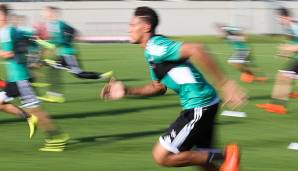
<point>161,156</point>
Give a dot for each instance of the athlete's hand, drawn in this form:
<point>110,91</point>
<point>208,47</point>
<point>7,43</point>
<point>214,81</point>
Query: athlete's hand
<point>114,90</point>
<point>234,96</point>
<point>286,50</point>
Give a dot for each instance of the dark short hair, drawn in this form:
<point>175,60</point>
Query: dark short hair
<point>54,9</point>
<point>4,9</point>
<point>283,12</point>
<point>148,15</point>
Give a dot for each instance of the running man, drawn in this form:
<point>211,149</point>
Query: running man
<point>18,85</point>
<point>170,67</point>
<point>62,36</point>
<point>284,78</point>
<point>242,57</point>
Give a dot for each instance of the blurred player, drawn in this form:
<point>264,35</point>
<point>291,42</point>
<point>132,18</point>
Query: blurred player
<point>35,50</point>
<point>170,67</point>
<point>241,59</point>
<point>18,85</point>
<point>284,77</point>
<point>62,35</point>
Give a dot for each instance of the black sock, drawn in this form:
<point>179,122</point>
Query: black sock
<point>214,156</point>
<point>23,113</point>
<point>279,102</point>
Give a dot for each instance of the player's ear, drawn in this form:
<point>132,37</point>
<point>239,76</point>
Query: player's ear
<point>147,28</point>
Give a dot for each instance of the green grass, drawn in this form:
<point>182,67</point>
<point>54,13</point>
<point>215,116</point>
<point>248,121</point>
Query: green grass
<point>118,136</point>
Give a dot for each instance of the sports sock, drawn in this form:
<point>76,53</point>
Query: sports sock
<point>23,113</point>
<point>279,102</point>
<point>214,156</point>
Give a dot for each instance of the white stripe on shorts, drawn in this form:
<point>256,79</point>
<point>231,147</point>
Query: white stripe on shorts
<point>183,134</point>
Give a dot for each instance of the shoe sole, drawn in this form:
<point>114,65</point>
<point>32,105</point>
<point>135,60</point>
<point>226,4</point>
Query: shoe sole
<point>51,149</point>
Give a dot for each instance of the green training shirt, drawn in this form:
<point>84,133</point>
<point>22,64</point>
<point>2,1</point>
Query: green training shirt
<point>165,65</point>
<point>16,67</point>
<point>292,32</point>
<point>56,30</point>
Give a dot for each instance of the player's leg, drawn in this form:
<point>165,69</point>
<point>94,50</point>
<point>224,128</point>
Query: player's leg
<point>281,90</point>
<point>56,139</point>
<point>174,148</point>
<point>239,60</point>
<point>70,61</point>
<point>54,93</point>
<point>6,95</point>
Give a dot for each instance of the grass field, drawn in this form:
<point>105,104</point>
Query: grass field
<point>118,136</point>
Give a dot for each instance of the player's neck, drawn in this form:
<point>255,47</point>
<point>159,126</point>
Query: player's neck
<point>145,39</point>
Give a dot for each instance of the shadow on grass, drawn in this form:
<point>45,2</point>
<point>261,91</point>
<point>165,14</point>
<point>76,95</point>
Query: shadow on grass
<point>110,138</point>
<point>112,112</point>
<point>96,81</point>
<point>261,97</point>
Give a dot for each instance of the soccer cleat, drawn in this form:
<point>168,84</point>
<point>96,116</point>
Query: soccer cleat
<point>294,95</point>
<point>261,78</point>
<point>50,62</point>
<point>106,75</point>
<point>232,158</point>
<point>40,84</point>
<point>47,149</point>
<point>56,144</point>
<point>273,108</point>
<point>52,98</point>
<point>263,105</point>
<point>61,138</point>
<point>2,84</point>
<point>247,78</point>
<point>32,122</point>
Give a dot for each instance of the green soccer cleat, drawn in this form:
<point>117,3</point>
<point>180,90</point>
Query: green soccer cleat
<point>56,144</point>
<point>50,62</point>
<point>52,149</point>
<point>52,98</point>
<point>40,84</point>
<point>106,75</point>
<point>32,122</point>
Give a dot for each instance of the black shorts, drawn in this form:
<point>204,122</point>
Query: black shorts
<point>240,56</point>
<point>194,127</point>
<point>291,70</point>
<point>21,89</point>
<point>293,66</point>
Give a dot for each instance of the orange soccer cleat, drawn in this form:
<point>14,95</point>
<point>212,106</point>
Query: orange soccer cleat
<point>294,95</point>
<point>261,78</point>
<point>274,108</point>
<point>2,84</point>
<point>247,78</point>
<point>232,158</point>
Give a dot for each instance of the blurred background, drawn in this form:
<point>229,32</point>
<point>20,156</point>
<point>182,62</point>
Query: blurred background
<point>178,17</point>
<point>118,136</point>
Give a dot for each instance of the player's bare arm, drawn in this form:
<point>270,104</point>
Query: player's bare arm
<point>115,90</point>
<point>287,50</point>
<point>232,93</point>
<point>153,89</point>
